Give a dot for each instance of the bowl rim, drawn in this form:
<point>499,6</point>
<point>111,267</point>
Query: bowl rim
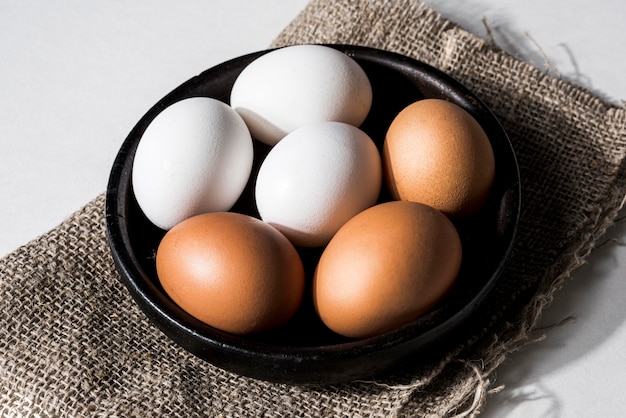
<point>292,364</point>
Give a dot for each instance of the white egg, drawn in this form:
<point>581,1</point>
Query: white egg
<point>293,86</point>
<point>194,157</point>
<point>316,179</point>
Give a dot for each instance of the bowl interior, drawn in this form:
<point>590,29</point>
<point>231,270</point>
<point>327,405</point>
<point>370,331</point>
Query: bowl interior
<point>305,351</point>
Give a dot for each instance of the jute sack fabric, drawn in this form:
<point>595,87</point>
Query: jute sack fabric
<point>73,343</point>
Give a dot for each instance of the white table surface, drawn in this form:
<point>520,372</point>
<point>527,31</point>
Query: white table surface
<point>75,76</point>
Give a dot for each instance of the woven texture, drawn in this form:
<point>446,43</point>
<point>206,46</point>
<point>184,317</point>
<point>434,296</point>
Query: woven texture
<point>73,343</point>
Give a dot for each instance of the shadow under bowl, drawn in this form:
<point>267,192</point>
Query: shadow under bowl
<point>305,351</point>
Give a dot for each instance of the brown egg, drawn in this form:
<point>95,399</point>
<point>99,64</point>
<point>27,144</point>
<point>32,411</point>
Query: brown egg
<point>231,271</point>
<point>436,153</point>
<point>386,267</point>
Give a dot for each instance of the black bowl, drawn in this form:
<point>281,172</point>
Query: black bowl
<point>304,351</point>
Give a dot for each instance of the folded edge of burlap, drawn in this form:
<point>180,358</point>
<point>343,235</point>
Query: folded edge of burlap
<point>73,342</point>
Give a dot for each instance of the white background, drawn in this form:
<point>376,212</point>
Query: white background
<point>75,76</point>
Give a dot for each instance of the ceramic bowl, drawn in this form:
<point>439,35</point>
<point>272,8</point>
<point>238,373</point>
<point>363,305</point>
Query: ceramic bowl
<point>304,351</point>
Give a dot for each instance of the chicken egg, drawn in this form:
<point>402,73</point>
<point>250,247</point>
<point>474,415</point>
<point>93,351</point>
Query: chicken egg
<point>436,153</point>
<point>194,157</point>
<point>386,267</point>
<point>231,271</point>
<point>297,85</point>
<point>317,178</point>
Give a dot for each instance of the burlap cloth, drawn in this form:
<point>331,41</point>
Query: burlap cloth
<point>73,343</point>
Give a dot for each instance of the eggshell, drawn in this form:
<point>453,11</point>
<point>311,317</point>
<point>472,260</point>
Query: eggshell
<point>231,271</point>
<point>296,85</point>
<point>194,157</point>
<point>317,178</point>
<point>386,267</point>
<point>436,153</point>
